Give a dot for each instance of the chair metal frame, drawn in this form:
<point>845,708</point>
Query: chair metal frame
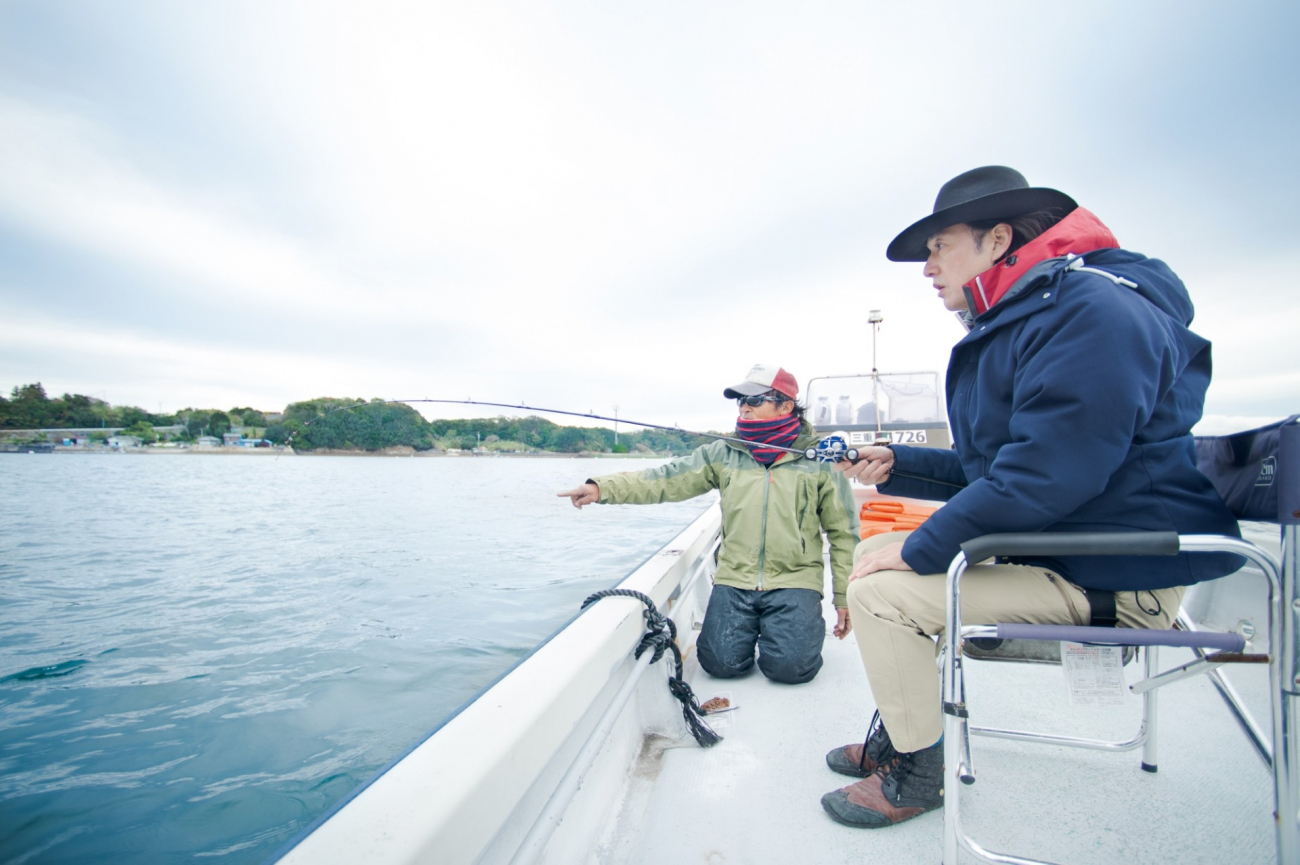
<point>1283,659</point>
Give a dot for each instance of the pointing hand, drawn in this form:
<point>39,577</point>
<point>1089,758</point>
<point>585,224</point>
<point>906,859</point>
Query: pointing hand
<point>587,494</point>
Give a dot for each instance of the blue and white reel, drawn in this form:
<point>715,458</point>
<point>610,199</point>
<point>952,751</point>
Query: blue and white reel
<point>833,448</point>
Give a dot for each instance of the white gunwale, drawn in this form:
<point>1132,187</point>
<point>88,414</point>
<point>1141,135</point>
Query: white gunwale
<point>482,771</point>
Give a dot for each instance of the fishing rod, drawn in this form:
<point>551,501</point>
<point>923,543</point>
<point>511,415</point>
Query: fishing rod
<point>829,449</point>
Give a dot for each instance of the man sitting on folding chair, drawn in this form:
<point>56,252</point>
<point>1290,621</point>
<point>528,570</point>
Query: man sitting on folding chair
<point>1071,401</point>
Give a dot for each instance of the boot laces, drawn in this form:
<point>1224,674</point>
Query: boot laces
<point>895,775</point>
<point>900,772</point>
<point>877,730</point>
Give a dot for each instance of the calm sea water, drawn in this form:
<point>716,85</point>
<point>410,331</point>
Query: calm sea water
<point>199,654</point>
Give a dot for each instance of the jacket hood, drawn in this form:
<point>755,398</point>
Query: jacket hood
<point>1150,278</point>
<point>1079,242</point>
<point>1076,234</point>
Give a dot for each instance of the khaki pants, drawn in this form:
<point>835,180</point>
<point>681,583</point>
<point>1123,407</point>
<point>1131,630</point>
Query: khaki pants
<point>897,614</point>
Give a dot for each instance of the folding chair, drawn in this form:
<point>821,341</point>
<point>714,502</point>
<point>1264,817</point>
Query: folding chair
<point>1258,475</point>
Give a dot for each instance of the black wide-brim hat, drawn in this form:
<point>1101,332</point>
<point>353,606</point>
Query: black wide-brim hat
<point>991,192</point>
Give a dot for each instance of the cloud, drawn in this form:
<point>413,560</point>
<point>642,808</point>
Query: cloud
<point>593,205</point>
<point>138,369</point>
<point>66,182</point>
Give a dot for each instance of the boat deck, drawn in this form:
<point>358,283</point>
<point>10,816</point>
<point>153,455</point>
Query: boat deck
<point>570,758</point>
<point>755,798</point>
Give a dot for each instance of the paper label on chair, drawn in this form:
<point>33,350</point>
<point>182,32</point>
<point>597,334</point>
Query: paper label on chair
<point>1094,674</point>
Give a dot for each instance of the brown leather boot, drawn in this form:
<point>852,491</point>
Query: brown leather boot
<point>861,760</point>
<point>909,785</point>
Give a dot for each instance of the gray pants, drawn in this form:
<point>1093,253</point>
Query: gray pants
<point>897,614</point>
<point>785,625</point>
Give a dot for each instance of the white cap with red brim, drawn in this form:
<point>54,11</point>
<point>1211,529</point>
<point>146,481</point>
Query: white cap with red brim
<point>761,379</point>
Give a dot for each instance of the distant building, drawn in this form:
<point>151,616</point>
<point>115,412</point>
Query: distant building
<point>121,441</point>
<point>207,442</point>
<point>232,439</point>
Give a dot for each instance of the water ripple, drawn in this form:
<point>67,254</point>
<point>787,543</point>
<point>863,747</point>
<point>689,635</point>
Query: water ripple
<point>180,677</point>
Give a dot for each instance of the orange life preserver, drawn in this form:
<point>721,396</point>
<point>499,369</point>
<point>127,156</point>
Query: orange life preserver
<point>880,516</point>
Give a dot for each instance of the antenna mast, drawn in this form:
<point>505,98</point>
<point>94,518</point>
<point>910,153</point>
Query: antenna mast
<point>874,318</point>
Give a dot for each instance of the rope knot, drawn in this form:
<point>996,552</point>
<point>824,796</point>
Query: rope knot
<point>661,635</point>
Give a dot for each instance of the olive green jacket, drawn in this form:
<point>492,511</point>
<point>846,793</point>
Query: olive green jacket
<point>772,518</point>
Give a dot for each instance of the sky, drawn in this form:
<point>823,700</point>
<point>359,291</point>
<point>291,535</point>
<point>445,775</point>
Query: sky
<point>583,205</point>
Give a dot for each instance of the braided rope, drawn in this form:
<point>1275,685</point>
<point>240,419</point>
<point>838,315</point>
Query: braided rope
<point>661,635</point>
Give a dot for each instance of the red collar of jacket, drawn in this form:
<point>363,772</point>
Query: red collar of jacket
<point>1078,233</point>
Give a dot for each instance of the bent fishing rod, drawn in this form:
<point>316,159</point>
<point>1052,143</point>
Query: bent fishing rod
<point>832,448</point>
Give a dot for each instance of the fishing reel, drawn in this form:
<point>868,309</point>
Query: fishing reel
<point>833,448</point>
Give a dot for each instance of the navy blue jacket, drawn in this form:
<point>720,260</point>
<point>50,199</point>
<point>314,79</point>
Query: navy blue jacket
<point>1071,402</point>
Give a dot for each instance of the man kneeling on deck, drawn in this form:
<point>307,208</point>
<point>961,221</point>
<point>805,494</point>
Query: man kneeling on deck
<point>1071,401</point>
<point>767,591</point>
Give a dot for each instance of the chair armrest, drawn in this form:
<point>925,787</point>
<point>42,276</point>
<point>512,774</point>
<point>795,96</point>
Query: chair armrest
<point>1071,544</point>
<point>1225,642</point>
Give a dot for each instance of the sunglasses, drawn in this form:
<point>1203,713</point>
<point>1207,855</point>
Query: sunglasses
<point>756,401</point>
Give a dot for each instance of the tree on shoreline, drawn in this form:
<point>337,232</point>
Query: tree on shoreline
<point>351,424</point>
<point>143,431</point>
<point>374,424</point>
<point>29,407</point>
<point>335,423</point>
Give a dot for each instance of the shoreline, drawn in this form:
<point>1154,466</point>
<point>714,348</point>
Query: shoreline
<point>402,452</point>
